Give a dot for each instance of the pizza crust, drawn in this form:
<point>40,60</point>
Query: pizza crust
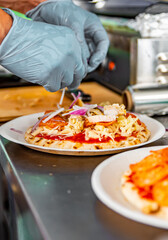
<point>131,194</point>
<point>150,207</point>
<point>66,144</point>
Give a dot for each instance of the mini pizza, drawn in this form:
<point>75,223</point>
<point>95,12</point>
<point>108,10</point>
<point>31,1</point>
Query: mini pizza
<point>145,184</point>
<point>88,127</point>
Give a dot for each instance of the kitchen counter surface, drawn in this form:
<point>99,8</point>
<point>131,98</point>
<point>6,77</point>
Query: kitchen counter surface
<point>53,198</point>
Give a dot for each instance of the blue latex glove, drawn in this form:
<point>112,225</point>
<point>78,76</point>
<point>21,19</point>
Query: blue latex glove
<point>86,25</point>
<point>42,53</point>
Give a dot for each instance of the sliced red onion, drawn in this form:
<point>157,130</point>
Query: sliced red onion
<point>73,95</point>
<point>16,130</point>
<point>53,115</point>
<point>38,122</point>
<point>78,96</point>
<point>36,125</point>
<point>100,108</point>
<point>80,112</point>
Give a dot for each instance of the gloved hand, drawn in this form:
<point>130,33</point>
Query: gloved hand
<point>86,25</point>
<point>42,53</point>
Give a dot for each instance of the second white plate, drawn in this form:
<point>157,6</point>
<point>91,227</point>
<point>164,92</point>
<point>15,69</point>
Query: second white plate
<point>106,183</point>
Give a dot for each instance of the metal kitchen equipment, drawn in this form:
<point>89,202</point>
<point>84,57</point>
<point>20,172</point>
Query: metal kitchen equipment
<point>135,60</point>
<point>132,58</point>
<point>148,60</point>
<point>151,99</point>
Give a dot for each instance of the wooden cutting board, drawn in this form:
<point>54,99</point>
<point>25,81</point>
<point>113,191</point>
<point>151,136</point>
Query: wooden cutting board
<point>15,102</point>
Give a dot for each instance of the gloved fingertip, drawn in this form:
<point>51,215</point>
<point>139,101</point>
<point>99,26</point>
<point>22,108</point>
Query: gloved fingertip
<point>93,64</point>
<point>74,86</point>
<point>52,88</point>
<point>49,89</point>
<point>91,69</point>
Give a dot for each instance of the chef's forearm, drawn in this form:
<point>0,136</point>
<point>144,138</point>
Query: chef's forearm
<point>21,6</point>
<point>6,22</point>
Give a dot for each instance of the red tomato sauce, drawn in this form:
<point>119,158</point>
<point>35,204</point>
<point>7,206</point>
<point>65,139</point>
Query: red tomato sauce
<point>80,137</point>
<point>143,192</point>
<point>119,138</point>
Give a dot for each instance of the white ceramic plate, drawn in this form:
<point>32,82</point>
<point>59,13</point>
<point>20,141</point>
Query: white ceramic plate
<point>106,183</point>
<point>23,123</point>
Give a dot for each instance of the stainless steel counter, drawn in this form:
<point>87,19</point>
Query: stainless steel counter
<point>50,197</point>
